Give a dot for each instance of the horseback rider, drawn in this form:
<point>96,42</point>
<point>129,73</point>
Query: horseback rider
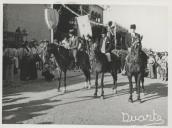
<point>73,43</point>
<point>132,39</point>
<point>110,31</point>
<point>106,46</point>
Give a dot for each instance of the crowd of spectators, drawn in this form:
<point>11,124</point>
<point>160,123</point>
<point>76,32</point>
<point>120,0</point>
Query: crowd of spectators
<point>25,60</point>
<point>158,65</point>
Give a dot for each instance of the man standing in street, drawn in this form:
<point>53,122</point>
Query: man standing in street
<point>164,66</point>
<point>151,63</point>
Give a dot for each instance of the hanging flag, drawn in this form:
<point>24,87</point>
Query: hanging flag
<point>51,18</point>
<point>84,26</point>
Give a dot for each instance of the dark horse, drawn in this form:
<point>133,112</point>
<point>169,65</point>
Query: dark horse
<point>101,65</point>
<point>65,61</point>
<point>135,66</point>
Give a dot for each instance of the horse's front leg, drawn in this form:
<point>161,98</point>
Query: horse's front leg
<point>102,86</point>
<point>64,81</point>
<point>135,89</point>
<point>96,84</point>
<point>60,76</point>
<point>138,87</point>
<point>89,80</point>
<point>131,89</point>
<point>114,75</point>
<point>143,87</point>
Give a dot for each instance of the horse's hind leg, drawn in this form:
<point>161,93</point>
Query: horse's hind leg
<point>131,89</point>
<point>142,80</point>
<point>59,81</point>
<point>102,86</point>
<point>65,81</point>
<point>114,75</point>
<point>96,84</point>
<point>138,87</point>
<point>87,78</point>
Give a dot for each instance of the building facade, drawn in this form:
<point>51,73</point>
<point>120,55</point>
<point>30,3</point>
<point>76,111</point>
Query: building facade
<point>29,18</point>
<point>96,13</point>
<point>27,21</point>
<point>67,19</point>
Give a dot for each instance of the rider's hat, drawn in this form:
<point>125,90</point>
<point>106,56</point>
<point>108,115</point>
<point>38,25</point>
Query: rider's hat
<point>132,26</point>
<point>110,23</point>
<point>104,31</point>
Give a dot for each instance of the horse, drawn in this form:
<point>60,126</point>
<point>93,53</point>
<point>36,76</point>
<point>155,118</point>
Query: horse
<point>65,60</point>
<point>135,66</point>
<point>102,65</point>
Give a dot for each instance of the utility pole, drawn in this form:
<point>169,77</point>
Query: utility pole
<point>81,10</point>
<point>51,31</point>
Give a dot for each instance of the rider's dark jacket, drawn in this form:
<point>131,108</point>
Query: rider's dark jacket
<point>131,39</point>
<point>108,44</point>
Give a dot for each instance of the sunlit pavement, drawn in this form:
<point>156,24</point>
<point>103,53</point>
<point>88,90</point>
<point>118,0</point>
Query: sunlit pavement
<point>38,102</point>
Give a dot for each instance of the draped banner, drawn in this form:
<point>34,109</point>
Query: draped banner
<point>51,18</point>
<point>84,25</point>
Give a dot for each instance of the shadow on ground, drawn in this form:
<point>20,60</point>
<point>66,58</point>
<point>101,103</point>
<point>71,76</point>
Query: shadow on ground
<point>42,85</point>
<point>155,91</point>
<point>152,91</point>
<point>37,86</point>
<point>16,113</point>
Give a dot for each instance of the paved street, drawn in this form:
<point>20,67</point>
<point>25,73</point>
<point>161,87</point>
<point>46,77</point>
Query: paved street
<point>38,102</point>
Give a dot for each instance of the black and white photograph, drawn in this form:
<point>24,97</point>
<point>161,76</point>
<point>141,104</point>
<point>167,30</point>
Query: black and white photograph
<point>85,64</point>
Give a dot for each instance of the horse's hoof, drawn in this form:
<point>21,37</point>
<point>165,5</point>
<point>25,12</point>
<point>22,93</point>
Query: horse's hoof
<point>114,91</point>
<point>138,99</point>
<point>102,97</point>
<point>130,100</point>
<point>95,94</point>
<point>64,91</point>
<point>89,87</point>
<point>58,90</point>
